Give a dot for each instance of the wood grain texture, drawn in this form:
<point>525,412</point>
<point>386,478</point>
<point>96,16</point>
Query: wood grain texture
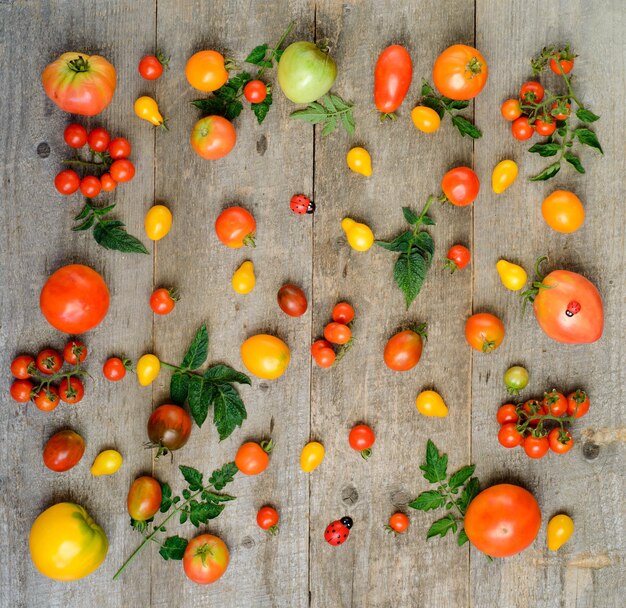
<point>36,240</point>
<point>588,570</point>
<point>269,163</point>
<point>376,569</point>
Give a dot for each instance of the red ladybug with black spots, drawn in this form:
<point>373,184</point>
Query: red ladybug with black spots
<point>301,204</point>
<point>337,531</point>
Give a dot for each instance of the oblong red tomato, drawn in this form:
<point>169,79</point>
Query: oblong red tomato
<point>460,72</point>
<point>79,83</point>
<point>403,351</point>
<point>213,137</point>
<point>392,78</point>
<point>292,300</point>
<point>74,299</point>
<point>63,451</point>
<point>569,309</point>
<point>144,498</point>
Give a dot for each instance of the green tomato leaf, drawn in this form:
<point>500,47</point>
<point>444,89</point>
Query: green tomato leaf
<point>455,104</point>
<point>424,243</point>
<point>574,161</point>
<point>427,89</point>
<point>588,138</point>
<point>111,234</point>
<point>330,124</point>
<point>173,548</point>
<point>86,225</point>
<point>222,373</point>
<point>409,216</point>
<point>202,512</point>
<point>347,122</point>
<point>434,104</point>
<point>442,526</point>
<point>435,468</point>
<point>409,273</point>
<point>229,412</point>
<point>198,401</point>
<point>183,517</point>
<point>179,388</point>
<point>84,212</point>
<point>461,476</point>
<point>166,498</point>
<point>545,150</point>
<point>261,109</point>
<point>192,476</point>
<point>212,497</point>
<point>399,245</point>
<point>465,127</point>
<point>257,55</point>
<point>586,115</point>
<point>427,501</point>
<point>198,350</point>
<point>462,538</point>
<point>470,491</point>
<point>220,477</point>
<point>212,106</point>
<point>549,172</point>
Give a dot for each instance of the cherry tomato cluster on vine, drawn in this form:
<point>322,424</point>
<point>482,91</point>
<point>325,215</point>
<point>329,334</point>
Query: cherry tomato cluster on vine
<point>113,163</point>
<point>539,426</point>
<point>36,378</point>
<point>337,333</point>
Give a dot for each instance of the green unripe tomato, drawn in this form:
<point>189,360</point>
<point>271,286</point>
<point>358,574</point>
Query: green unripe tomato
<point>305,72</point>
<point>515,379</point>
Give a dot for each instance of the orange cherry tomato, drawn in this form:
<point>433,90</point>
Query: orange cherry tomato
<point>337,333</point>
<point>398,523</point>
<point>205,71</point>
<point>253,458</point>
<point>484,332</point>
<point>235,227</point>
<point>511,109</point>
<point>563,211</point>
<point>343,313</point>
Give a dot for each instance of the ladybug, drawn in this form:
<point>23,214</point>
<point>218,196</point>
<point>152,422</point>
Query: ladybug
<point>337,531</point>
<point>301,204</point>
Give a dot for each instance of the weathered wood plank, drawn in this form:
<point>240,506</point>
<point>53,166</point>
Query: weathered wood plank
<point>374,568</point>
<point>36,223</point>
<point>588,570</point>
<point>269,163</point>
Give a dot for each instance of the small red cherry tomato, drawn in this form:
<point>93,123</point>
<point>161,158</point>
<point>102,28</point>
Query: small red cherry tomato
<point>23,366</point>
<point>509,436</point>
<point>122,170</point>
<point>510,109</point>
<point>460,186</point>
<point>337,333</point>
<point>114,368</point>
<point>544,128</point>
<point>90,186</point>
<point>536,447</point>
<point>162,301</point>
<point>151,66</point>
<point>522,129</point>
<point>21,390</point>
<point>507,413</point>
<point>255,91</point>
<point>98,139</point>
<point>343,313</point>
<point>325,356</point>
<point>555,403</point>
<point>560,441</point>
<point>71,391</point>
<point>119,148</point>
<point>531,92</point>
<point>107,182</point>
<point>532,406</point>
<point>267,519</point>
<point>67,182</point>
<point>49,361</point>
<point>398,523</point>
<point>47,399</point>
<point>74,352</point>
<point>458,257</point>
<point>75,136</point>
<point>567,63</point>
<point>361,439</point>
<point>577,404</point>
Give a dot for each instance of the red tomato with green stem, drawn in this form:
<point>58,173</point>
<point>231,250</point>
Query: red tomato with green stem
<point>163,301</point>
<point>458,257</point>
<point>392,78</point>
<point>545,128</point>
<point>522,129</point>
<point>151,66</point>
<point>49,361</point>
<point>75,135</point>
<point>119,148</point>
<point>253,458</point>
<point>144,498</point>
<point>67,182</point>
<point>577,403</point>
<point>71,390</point>
<point>460,72</point>
<point>560,110</point>
<point>404,350</point>
<point>206,559</point>
<point>554,403</point>
<point>169,427</point>
<point>23,367</point>
<point>361,439</point>
<point>267,519</point>
<point>343,313</point>
<point>560,440</point>
<point>532,407</point>
<point>509,436</point>
<point>536,447</point>
<point>47,399</point>
<point>63,451</point>
<point>484,332</point>
<point>236,227</point>
<point>255,91</point>
<point>90,186</point>
<point>565,60</point>
<point>531,92</point>
<point>21,390</point>
<point>460,186</point>
<point>74,352</point>
<point>507,413</point>
<point>337,333</point>
<point>114,368</point>
<point>213,137</point>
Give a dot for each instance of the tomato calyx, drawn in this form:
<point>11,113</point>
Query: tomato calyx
<point>249,241</point>
<point>529,295</point>
<point>366,453</point>
<point>80,64</point>
<point>474,67</point>
<point>488,345</point>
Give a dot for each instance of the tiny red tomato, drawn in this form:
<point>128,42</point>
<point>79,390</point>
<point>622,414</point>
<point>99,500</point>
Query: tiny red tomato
<point>536,447</point>
<point>114,369</point>
<point>325,356</point>
<point>343,313</point>
<point>337,333</point>
<point>318,345</point>
<point>90,186</point>
<point>510,109</point>
<point>98,139</point>
<point>71,391</point>
<point>458,256</point>
<point>460,186</point>
<point>531,92</point>
<point>163,301</point>
<point>292,300</point>
<point>107,183</point>
<point>577,404</point>
<point>560,441</point>
<point>255,91</point>
<point>544,128</point>
<point>122,170</point>
<point>67,182</point>
<point>267,519</point>
<point>75,136</point>
<point>560,111</point>
<point>522,129</point>
<point>150,67</point>
<point>49,361</point>
<point>398,523</point>
<point>507,413</point>
<point>74,352</point>
<point>23,366</point>
<point>119,148</point>
<point>532,406</point>
<point>566,64</point>
<point>509,436</point>
<point>21,390</point>
<point>63,451</point>
<point>361,439</point>
<point>554,402</point>
<point>47,399</point>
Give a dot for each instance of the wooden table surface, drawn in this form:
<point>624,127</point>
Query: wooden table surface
<point>270,163</point>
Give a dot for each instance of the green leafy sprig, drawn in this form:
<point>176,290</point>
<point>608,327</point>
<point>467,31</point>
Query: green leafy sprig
<point>453,493</point>
<point>212,387</point>
<point>416,248</point>
<point>265,55</point>
<point>331,111</point>
<point>110,234</point>
<point>197,503</point>
<point>444,105</point>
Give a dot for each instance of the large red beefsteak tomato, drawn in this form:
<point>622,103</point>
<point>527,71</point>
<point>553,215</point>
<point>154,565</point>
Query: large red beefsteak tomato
<point>80,83</point>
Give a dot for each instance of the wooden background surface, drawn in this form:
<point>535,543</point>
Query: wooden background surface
<point>269,164</point>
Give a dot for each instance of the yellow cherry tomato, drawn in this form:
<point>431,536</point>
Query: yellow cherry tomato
<point>106,463</point>
<point>563,211</point>
<point>360,161</point>
<point>430,403</point>
<point>425,119</point>
<point>244,280</point>
<point>158,222</point>
<point>148,368</point>
<point>265,356</point>
<point>513,277</point>
<point>311,456</point>
<point>360,236</point>
<point>147,109</point>
<point>560,530</point>
<point>504,174</point>
<point>66,544</point>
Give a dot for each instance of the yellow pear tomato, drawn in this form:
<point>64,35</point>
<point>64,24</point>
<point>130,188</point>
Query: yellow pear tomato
<point>243,280</point>
<point>359,161</point>
<point>148,368</point>
<point>66,544</point>
<point>360,236</point>
<point>513,277</point>
<point>265,356</point>
<point>158,222</point>
<point>430,403</point>
<point>147,109</point>
<point>425,119</point>
<point>560,530</point>
<point>503,175</point>
<point>311,456</point>
<point>106,463</point>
